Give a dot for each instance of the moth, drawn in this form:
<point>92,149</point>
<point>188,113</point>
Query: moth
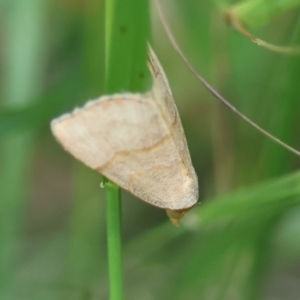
<point>137,141</point>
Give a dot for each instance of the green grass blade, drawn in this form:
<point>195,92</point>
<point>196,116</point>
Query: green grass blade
<point>127,32</point>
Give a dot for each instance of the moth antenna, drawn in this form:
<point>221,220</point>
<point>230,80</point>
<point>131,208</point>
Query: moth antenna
<point>211,89</point>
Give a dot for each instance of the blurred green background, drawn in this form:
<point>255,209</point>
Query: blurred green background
<point>241,242</point>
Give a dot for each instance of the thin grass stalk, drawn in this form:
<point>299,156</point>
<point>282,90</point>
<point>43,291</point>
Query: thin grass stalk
<point>126,34</point>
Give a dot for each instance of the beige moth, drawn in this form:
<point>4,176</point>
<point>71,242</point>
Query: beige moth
<point>137,141</point>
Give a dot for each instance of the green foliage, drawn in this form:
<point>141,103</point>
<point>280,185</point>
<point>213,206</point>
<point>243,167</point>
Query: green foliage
<point>259,12</point>
<point>242,238</point>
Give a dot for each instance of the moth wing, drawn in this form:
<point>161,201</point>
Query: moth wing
<point>109,125</point>
<point>125,138</point>
<point>165,101</point>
